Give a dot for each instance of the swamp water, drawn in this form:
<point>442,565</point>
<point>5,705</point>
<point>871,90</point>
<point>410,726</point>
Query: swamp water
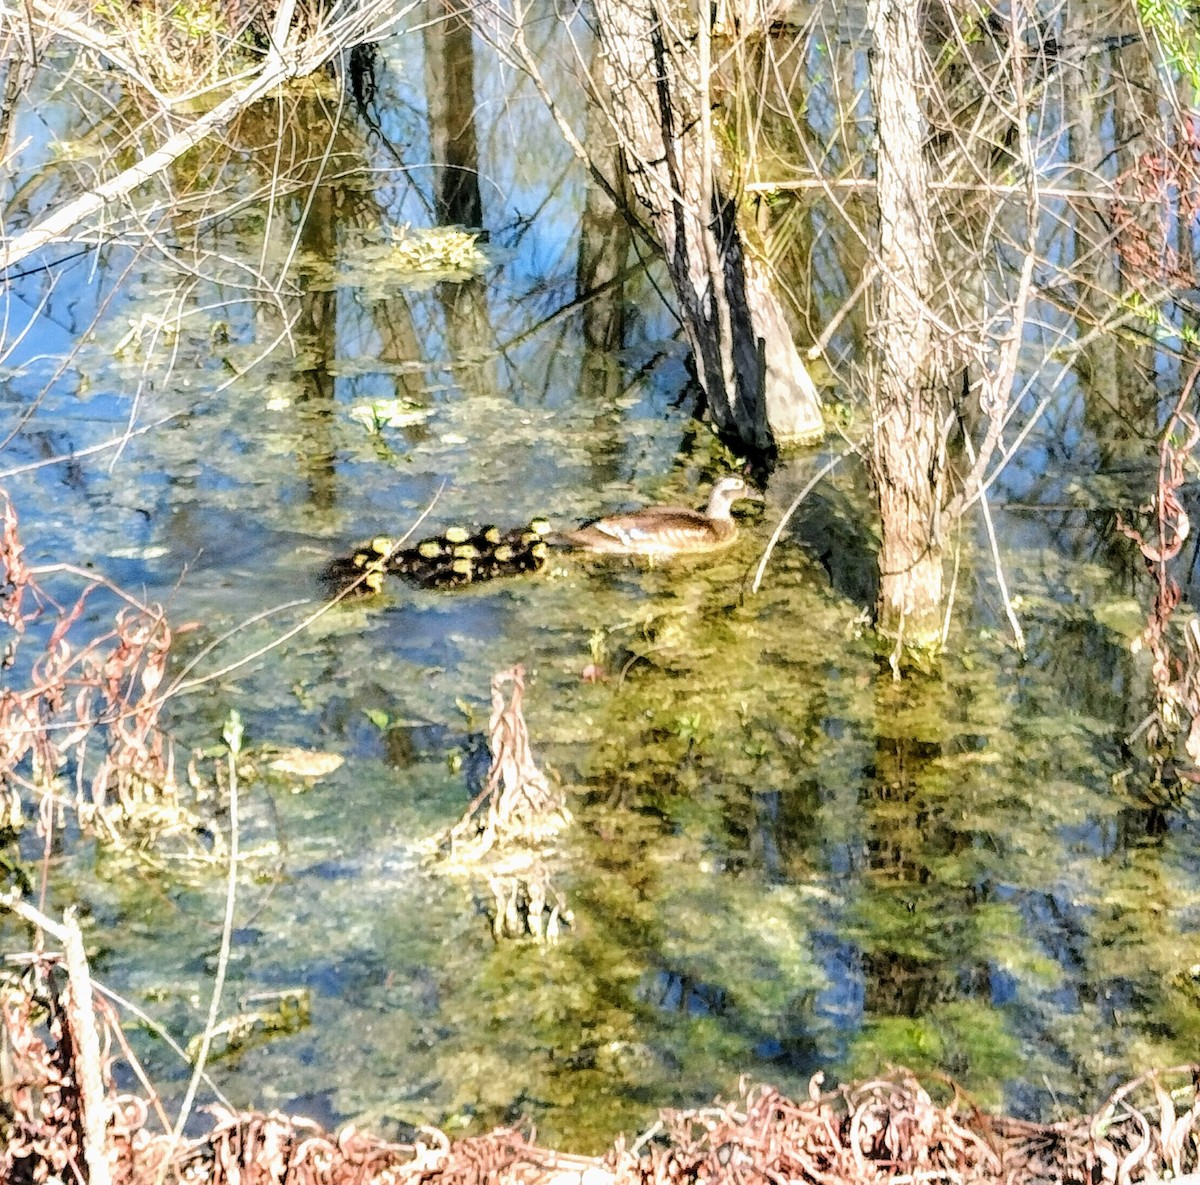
<point>782,860</point>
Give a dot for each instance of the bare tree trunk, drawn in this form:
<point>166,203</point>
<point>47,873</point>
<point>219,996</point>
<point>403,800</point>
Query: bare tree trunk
<point>910,396</point>
<point>657,72</point>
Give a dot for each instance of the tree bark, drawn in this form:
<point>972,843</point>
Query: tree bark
<point>654,58</point>
<point>450,91</point>
<point>910,392</point>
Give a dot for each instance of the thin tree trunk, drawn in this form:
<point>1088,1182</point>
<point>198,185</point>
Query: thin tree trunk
<point>909,390</point>
<point>605,242</point>
<point>450,87</point>
<point>758,389</point>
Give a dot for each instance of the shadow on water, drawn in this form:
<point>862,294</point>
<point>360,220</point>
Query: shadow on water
<point>783,861</point>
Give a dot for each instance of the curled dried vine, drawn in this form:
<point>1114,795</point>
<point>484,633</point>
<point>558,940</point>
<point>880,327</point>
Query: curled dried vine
<point>1175,680</point>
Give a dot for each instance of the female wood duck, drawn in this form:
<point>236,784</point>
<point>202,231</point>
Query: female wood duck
<point>662,531</point>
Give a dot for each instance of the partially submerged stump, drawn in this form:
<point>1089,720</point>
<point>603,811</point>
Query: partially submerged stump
<point>504,832</point>
<point>656,72</point>
<point>521,804</point>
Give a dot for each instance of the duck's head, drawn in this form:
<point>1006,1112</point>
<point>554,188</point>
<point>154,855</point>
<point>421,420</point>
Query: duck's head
<point>726,492</point>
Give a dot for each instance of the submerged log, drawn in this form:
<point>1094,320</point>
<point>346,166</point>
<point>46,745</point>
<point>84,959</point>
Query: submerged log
<point>656,69</point>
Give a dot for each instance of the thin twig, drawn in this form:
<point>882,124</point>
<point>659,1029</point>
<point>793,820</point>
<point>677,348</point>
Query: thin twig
<point>81,1016</point>
<point>233,741</point>
<point>951,595</point>
<point>783,522</point>
<point>161,1033</point>
<point>103,446</point>
<point>1018,633</point>
<point>182,684</point>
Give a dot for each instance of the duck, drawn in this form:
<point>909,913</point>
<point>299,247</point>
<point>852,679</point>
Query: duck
<point>663,531</point>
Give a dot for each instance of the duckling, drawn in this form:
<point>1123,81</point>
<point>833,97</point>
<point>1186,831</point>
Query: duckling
<point>422,561</point>
<point>360,574</point>
<point>662,531</point>
<point>343,576</point>
<point>486,537</point>
<point>459,571</point>
<point>522,549</point>
<point>458,556</point>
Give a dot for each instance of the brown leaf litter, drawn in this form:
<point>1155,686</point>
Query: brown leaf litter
<point>887,1130</point>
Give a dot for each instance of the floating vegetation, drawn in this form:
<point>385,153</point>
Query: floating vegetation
<point>437,249</point>
<point>379,414</point>
<point>290,1014</point>
<point>306,763</point>
<point>407,256</point>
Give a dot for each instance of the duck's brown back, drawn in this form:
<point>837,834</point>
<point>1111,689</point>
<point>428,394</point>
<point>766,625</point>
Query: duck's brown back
<point>660,531</point>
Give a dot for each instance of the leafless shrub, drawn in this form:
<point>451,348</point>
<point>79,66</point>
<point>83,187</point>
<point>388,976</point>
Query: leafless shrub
<point>885,1130</point>
<point>40,1112</point>
<point>89,701</point>
<point>890,1129</point>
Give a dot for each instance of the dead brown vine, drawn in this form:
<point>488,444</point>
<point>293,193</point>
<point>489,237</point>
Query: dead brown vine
<point>1157,195</point>
<point>1175,680</point>
<point>87,701</point>
<point>886,1130</point>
